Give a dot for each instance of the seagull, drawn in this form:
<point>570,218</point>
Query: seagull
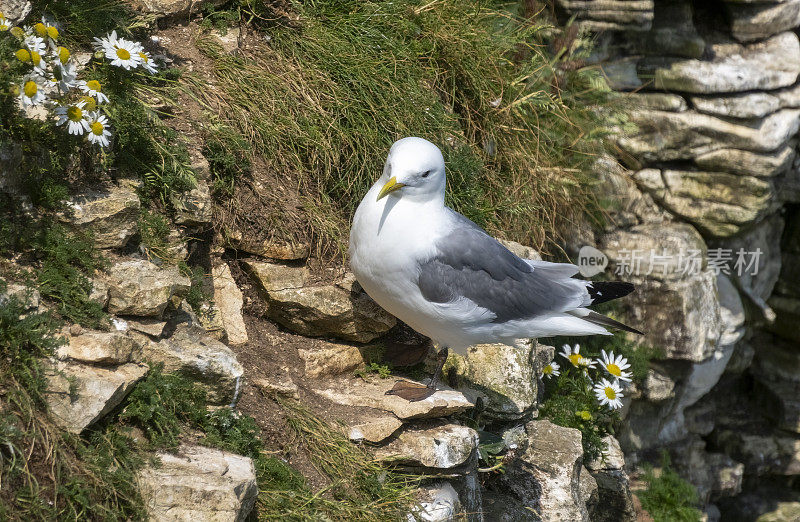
<point>448,279</point>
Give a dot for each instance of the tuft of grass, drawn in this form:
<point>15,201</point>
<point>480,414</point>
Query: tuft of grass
<point>382,370</point>
<point>324,100</point>
<point>669,498</point>
<point>228,155</point>
<point>360,488</point>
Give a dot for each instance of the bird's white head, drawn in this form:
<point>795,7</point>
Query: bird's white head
<point>414,170</point>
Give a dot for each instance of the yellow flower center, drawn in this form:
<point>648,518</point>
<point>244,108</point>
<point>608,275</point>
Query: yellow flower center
<point>63,54</point>
<point>35,57</point>
<point>123,54</point>
<point>584,414</point>
<point>575,358</point>
<point>548,370</point>
<point>610,393</point>
<point>40,29</point>
<point>30,89</point>
<point>52,32</point>
<point>614,370</point>
<point>97,128</point>
<point>23,55</point>
<point>90,102</point>
<point>93,85</point>
<point>18,32</point>
<point>74,113</point>
<point>143,57</point>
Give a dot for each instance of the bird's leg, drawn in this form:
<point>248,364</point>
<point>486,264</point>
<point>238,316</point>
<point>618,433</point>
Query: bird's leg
<point>414,392</point>
<point>442,358</point>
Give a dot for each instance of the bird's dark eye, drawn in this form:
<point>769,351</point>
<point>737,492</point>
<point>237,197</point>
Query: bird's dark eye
<point>426,173</point>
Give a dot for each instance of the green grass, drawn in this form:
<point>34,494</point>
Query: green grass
<point>324,100</point>
<point>669,498</point>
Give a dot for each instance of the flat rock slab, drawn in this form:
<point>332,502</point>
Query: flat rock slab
<point>199,484</point>
<point>193,353</point>
<point>329,359</point>
<point>112,214</point>
<point>139,287</point>
<point>767,65</point>
<point>95,391</point>
<point>441,446</point>
<point>229,300</point>
<point>102,348</point>
<point>372,394</point>
<point>374,429</point>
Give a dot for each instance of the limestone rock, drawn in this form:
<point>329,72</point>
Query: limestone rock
<point>673,32</point>
<point>228,299</point>
<point>15,10</point>
<point>784,512</point>
<point>191,352</point>
<point>746,105</point>
<point>715,475</point>
<point>546,476</point>
<point>761,246</point>
<point>138,287</point>
<point>659,101</point>
<point>172,8</point>
<point>776,368</point>
<point>621,74</point>
<point>657,386</point>
<point>757,21</point>
<point>631,206</point>
<point>761,452</point>
<point>502,375</point>
<point>271,248</point>
<point>110,213</point>
<point>615,497</point>
<point>372,394</point>
<point>374,429</point>
<point>766,65</point>
<point>194,207</point>
<point>330,359</point>
<point>603,15</point>
<point>438,445</point>
<point>103,348</point>
<point>676,304</point>
<point>747,163</point>
<point>199,483</point>
<point>667,136</point>
<point>281,386</point>
<point>95,391</point>
<point>27,296</point>
<point>519,250</point>
<point>719,204</point>
<point>341,310</point>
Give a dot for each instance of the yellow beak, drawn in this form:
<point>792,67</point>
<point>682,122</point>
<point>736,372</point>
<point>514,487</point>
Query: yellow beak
<point>390,187</point>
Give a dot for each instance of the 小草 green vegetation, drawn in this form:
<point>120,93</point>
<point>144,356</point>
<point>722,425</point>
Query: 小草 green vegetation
<point>667,497</point>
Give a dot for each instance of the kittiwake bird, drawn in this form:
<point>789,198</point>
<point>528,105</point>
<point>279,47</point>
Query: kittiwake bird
<point>448,279</point>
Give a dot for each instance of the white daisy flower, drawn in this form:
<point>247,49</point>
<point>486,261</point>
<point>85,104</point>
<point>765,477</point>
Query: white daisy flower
<point>67,75</point>
<point>35,44</point>
<point>98,132</point>
<point>147,62</point>
<point>122,53</point>
<point>5,25</point>
<point>75,116</point>
<point>616,366</point>
<point>109,42</point>
<point>31,92</point>
<point>574,356</point>
<point>46,29</point>
<point>61,53</point>
<point>92,88</point>
<point>608,393</point>
<point>551,370</point>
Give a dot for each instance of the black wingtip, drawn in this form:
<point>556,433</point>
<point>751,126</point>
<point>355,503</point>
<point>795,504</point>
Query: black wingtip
<point>608,322</point>
<point>603,291</point>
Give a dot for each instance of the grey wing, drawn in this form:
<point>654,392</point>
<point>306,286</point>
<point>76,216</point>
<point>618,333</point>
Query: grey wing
<point>471,264</point>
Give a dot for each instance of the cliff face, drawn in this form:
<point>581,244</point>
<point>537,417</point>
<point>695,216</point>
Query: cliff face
<point>703,216</point>
<point>710,167</point>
